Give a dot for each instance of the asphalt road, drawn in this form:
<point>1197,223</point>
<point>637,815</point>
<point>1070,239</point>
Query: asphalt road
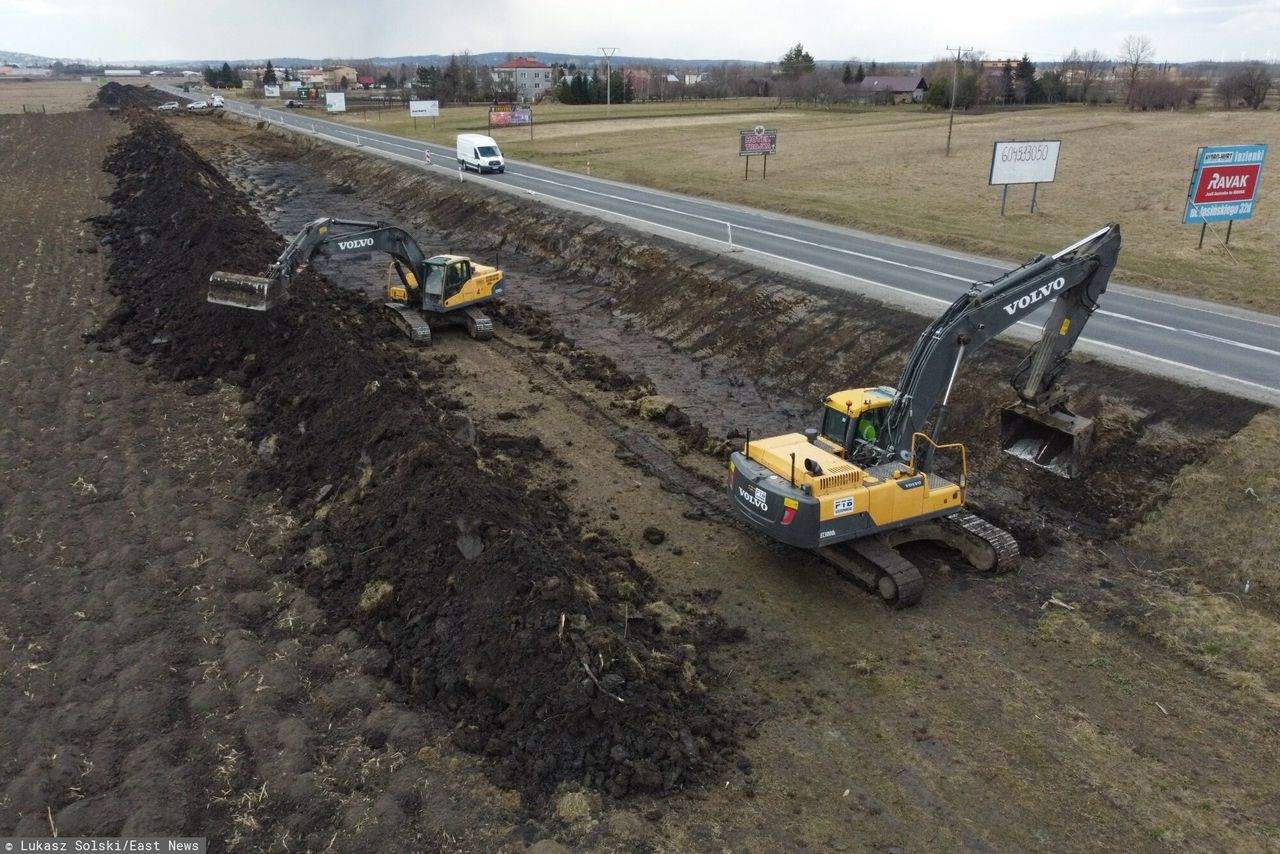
<point>1207,344</point>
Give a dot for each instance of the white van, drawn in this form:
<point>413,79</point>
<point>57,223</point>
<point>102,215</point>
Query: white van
<point>479,152</point>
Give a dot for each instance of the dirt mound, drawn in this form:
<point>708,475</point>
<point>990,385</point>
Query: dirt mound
<point>118,96</point>
<point>556,655</point>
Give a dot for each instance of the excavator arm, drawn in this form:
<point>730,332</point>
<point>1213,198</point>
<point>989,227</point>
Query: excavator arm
<point>328,234</point>
<point>1073,279</point>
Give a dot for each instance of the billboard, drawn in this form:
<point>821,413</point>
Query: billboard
<point>1224,183</point>
<point>1028,161</point>
<point>759,140</point>
<point>335,102</point>
<point>271,91</point>
<point>509,115</point>
<point>423,109</point>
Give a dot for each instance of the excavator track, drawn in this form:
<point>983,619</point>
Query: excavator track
<point>479,326</point>
<point>410,322</point>
<point>978,535</point>
<point>873,563</point>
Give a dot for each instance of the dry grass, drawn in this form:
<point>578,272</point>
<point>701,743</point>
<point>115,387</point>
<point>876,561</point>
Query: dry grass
<point>1219,524</point>
<point>1216,538</point>
<point>885,171</point>
<point>55,96</point>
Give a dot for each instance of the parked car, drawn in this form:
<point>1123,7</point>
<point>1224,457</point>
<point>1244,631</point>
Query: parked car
<point>292,103</point>
<point>169,107</point>
<point>197,106</point>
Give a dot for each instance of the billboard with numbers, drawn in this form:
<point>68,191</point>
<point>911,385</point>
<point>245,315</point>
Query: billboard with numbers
<point>1026,161</point>
<point>1224,183</point>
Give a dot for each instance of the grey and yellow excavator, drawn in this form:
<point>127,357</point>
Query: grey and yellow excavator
<point>872,478</point>
<point>420,291</point>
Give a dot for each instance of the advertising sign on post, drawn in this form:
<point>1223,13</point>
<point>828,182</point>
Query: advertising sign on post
<point>510,115</point>
<point>1025,161</point>
<point>271,91</point>
<point>1224,185</point>
<point>757,141</point>
<point>424,109</point>
<point>335,102</point>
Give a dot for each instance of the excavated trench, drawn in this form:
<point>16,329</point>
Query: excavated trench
<point>737,347</point>
<point>496,609</point>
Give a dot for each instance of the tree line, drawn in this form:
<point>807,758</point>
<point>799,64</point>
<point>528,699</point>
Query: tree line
<point>1131,77</point>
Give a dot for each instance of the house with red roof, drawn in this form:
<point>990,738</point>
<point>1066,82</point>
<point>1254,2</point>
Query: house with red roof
<point>526,77</point>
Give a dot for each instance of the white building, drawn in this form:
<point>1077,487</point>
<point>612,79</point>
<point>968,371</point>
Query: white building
<point>527,78</point>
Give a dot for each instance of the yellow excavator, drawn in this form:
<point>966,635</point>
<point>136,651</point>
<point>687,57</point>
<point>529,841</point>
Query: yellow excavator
<point>870,478</point>
<point>420,291</point>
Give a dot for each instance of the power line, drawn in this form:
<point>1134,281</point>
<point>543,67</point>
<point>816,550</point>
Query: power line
<point>955,72</point>
<point>608,78</point>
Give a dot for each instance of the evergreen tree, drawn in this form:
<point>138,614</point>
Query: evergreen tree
<point>847,77</point>
<point>424,80</point>
<point>210,76</point>
<point>580,88</point>
<point>1029,89</point>
<point>270,79</point>
<point>860,74</point>
<point>227,78</point>
<point>796,63</point>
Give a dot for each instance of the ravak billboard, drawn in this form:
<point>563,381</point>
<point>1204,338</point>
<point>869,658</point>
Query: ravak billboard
<point>1224,184</point>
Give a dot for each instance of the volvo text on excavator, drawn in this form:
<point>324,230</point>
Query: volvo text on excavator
<point>420,291</point>
<point>869,479</point>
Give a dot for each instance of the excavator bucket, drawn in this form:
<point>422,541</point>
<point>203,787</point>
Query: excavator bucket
<point>252,292</point>
<point>1053,438</point>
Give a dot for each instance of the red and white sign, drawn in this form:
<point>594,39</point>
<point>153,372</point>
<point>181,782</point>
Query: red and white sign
<point>1226,184</point>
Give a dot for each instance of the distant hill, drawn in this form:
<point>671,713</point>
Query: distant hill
<point>491,58</point>
<point>30,60</point>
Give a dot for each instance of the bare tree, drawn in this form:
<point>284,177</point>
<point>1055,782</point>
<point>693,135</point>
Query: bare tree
<point>1135,52</point>
<point>1084,70</point>
<point>1255,82</point>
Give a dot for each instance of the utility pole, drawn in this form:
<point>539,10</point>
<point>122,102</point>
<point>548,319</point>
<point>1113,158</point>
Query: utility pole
<point>955,72</point>
<point>608,78</point>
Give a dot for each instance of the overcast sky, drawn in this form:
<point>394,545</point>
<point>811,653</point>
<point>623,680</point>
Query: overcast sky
<point>120,30</point>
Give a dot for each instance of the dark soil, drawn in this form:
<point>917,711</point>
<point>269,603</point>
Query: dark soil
<point>115,95</point>
<point>497,609</point>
